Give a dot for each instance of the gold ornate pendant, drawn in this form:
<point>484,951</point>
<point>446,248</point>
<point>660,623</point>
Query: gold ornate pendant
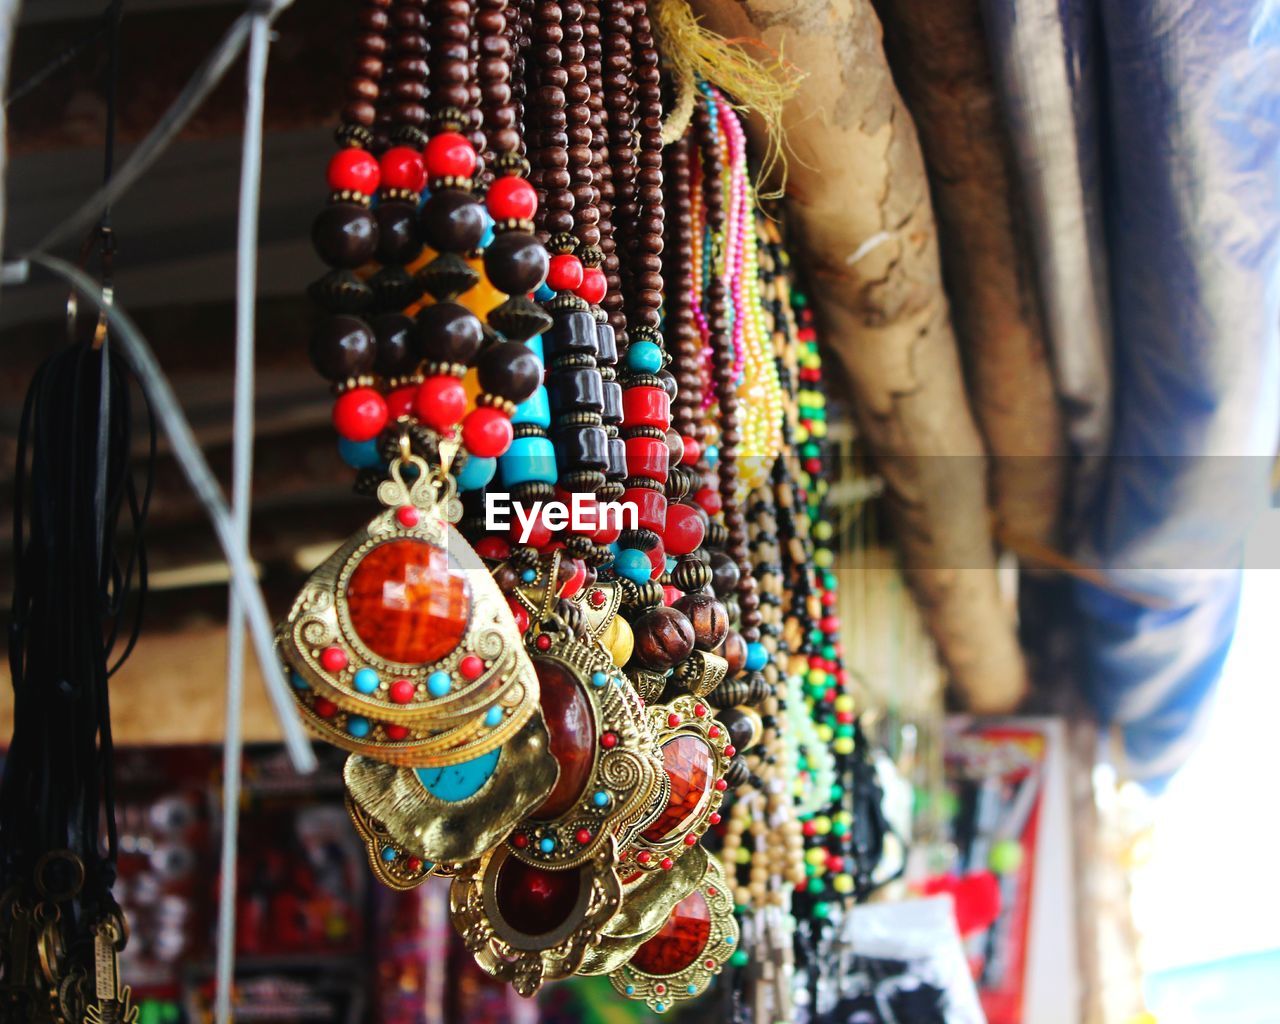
<point>526,924</point>
<point>680,959</point>
<point>695,754</point>
<point>401,645</point>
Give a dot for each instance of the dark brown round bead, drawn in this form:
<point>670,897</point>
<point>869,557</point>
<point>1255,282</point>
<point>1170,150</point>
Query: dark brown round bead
<point>709,618</point>
<point>517,262</point>
<point>345,235</point>
<point>664,637</point>
<point>724,574</point>
<point>449,333</point>
<point>734,651</point>
<point>453,221</point>
<point>342,347</point>
<point>397,231</point>
<point>740,726</point>
<point>396,351</point>
<point>510,370</point>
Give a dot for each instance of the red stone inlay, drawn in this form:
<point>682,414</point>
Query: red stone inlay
<point>567,712</point>
<point>471,667</point>
<point>408,602</point>
<point>533,900</point>
<point>680,941</point>
<point>687,761</point>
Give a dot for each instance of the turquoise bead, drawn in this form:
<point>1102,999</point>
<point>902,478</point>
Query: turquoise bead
<point>644,357</point>
<point>692,989</point>
<point>439,683</point>
<point>529,575</point>
<point>535,409</point>
<point>671,564</point>
<point>547,844</point>
<point>476,473</point>
<point>298,682</point>
<point>367,680</point>
<point>359,454</point>
<point>544,293</point>
<point>388,853</point>
<point>600,798</point>
<point>529,458</point>
<point>358,727</point>
<point>599,678</point>
<point>757,657</point>
<point>712,453</point>
<point>631,990</point>
<point>493,717</point>
<point>633,564</point>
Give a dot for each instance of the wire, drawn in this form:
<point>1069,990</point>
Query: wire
<point>205,486</point>
<point>201,83</point>
<point>34,81</point>
<point>241,497</point>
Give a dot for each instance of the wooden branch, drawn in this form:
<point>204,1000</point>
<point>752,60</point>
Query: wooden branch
<point>858,196</point>
<point>940,61</point>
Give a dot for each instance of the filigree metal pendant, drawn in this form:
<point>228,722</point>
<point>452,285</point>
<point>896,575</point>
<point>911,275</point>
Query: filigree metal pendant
<point>680,959</point>
<point>610,767</point>
<point>402,644</point>
<point>526,924</point>
<point>695,754</point>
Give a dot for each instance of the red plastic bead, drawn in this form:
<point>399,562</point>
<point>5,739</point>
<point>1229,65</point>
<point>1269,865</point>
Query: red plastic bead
<point>407,516</point>
<point>684,531</point>
<point>643,857</point>
<point>575,581</point>
<point>403,167</point>
<point>539,534</point>
<point>710,500</point>
<point>714,731</point>
<point>700,710</point>
<point>714,819</point>
<point>721,785</point>
<point>657,560</point>
<point>690,839</point>
<point>521,616</point>
<point>609,739</point>
<point>511,198</point>
<point>692,451</point>
<point>583,836</point>
<point>543,643</point>
<point>593,285</point>
<point>440,403</point>
<point>597,598</point>
<point>402,691</point>
<point>646,406</point>
<point>334,659</point>
<point>353,170</point>
<point>670,595</point>
<point>647,457</point>
<point>651,507</point>
<point>413,864</point>
<point>520,840</point>
<point>449,155</point>
<point>730,750</point>
<point>495,548</point>
<point>400,401</point>
<point>565,274</point>
<point>667,863</point>
<point>487,432</point>
<point>471,667</point>
<point>359,414</point>
<point>396,732</point>
<point>325,708</point>
<point>673,720</point>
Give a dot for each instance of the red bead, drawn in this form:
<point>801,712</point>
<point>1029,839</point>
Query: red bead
<point>667,863</point>
<point>402,691</point>
<point>710,501</point>
<point>730,750</point>
<point>657,560</point>
<point>400,401</point>
<point>714,819</point>
<point>413,864</point>
<point>495,548</point>
<point>487,432</point>
<point>440,403</point>
<point>334,659</point>
<point>353,170</point>
<point>409,602</point>
<point>539,533</point>
<point>643,857</point>
<point>575,582</point>
<point>511,198</point>
<point>521,616</point>
<point>700,710</point>
<point>714,732</point>
<point>325,708</point>
<point>609,739</point>
<point>520,840</point>
<point>688,764</point>
<point>673,720</point>
<point>721,785</point>
<point>407,516</point>
<point>692,451</point>
<point>449,155</point>
<point>597,598</point>
<point>571,727</point>
<point>403,167</point>
<point>647,457</point>
<point>593,287</point>
<point>471,667</point>
<point>396,732</point>
<point>359,414</point>
<point>690,839</point>
<point>543,643</point>
<point>685,530</point>
<point>646,406</point>
<point>583,836</point>
<point>670,595</point>
<point>565,274</point>
<point>651,507</point>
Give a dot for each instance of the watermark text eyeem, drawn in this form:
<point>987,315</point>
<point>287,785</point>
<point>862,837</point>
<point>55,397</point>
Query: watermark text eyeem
<point>582,514</point>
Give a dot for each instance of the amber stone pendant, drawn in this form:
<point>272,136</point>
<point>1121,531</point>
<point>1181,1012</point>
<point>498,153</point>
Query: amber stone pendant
<point>695,755</point>
<point>401,645</point>
<point>680,959</point>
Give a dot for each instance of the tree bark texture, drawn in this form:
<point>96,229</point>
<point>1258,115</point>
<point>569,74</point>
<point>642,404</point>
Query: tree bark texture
<point>858,197</point>
<point>939,57</point>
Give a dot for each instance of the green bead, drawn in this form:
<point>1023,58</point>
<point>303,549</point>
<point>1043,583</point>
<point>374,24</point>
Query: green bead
<point>739,958</point>
<point>816,885</point>
<point>837,792</point>
<point>1005,857</point>
<point>822,909</point>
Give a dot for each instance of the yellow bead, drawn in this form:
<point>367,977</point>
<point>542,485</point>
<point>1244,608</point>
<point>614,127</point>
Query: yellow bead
<point>618,640</point>
<point>822,824</point>
<point>843,745</point>
<point>844,702</point>
<point>824,733</point>
<point>824,558</point>
<point>815,855</point>
<point>743,856</point>
<point>842,884</point>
